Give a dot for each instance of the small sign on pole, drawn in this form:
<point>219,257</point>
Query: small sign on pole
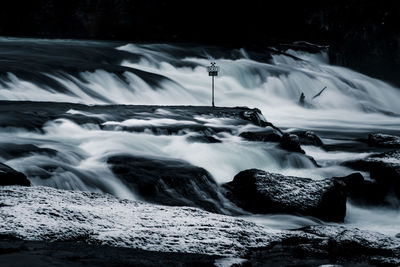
<point>213,71</point>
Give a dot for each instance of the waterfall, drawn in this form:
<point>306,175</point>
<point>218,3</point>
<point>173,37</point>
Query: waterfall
<point>90,72</point>
<point>166,74</point>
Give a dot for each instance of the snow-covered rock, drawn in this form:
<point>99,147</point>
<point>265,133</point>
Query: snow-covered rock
<point>263,192</point>
<point>43,213</point>
<point>48,214</point>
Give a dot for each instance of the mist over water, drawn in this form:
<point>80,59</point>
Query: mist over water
<point>163,74</point>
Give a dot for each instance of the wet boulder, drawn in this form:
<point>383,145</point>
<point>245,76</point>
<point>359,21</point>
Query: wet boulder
<point>384,169</point>
<point>330,245</point>
<point>361,191</point>
<point>340,242</point>
<point>11,150</point>
<point>264,192</point>
<point>170,182</point>
<point>262,136</point>
<point>9,176</point>
<point>383,140</point>
<point>308,138</point>
<point>288,142</point>
<point>291,142</point>
<point>352,181</point>
<point>256,117</point>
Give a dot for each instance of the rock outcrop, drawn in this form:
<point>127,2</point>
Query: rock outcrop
<point>361,191</point>
<point>291,142</point>
<point>288,141</point>
<point>263,192</point>
<point>44,213</point>
<point>384,168</point>
<point>169,182</point>
<point>308,138</point>
<point>262,136</point>
<point>383,140</point>
<point>323,245</point>
<point>86,220</point>
<point>9,176</point>
<point>255,116</point>
<point>11,150</point>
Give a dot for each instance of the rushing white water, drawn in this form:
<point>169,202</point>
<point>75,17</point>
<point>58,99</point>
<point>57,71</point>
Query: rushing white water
<point>376,219</point>
<point>351,101</point>
<point>172,75</point>
<point>83,151</point>
<point>275,88</point>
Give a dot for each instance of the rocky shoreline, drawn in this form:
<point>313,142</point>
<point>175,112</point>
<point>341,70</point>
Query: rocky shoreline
<point>83,225</point>
<point>187,217</point>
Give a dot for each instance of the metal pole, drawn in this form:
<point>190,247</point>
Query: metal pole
<point>213,91</point>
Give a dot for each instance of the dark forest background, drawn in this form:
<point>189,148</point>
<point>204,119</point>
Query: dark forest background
<point>364,35</point>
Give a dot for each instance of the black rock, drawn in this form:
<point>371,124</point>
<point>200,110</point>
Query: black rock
<point>291,142</point>
<point>9,176</point>
<point>361,191</point>
<point>352,181</point>
<point>10,150</point>
<point>263,136</point>
<point>287,142</point>
<point>383,140</point>
<point>384,168</point>
<point>34,115</point>
<point>329,245</point>
<point>169,182</point>
<point>263,192</point>
<point>308,138</point>
<point>74,254</point>
<point>255,116</point>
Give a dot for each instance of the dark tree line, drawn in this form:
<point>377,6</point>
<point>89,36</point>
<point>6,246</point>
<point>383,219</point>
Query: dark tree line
<point>362,34</point>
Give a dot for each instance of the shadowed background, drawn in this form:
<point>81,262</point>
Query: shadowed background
<point>363,35</point>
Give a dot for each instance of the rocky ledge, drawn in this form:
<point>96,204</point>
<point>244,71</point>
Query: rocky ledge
<point>170,182</point>
<point>93,220</point>
<point>170,119</point>
<point>384,169</point>
<point>290,141</point>
<point>44,213</point>
<point>382,140</point>
<point>204,123</point>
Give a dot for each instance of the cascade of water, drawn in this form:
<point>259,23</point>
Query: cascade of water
<point>176,75</point>
<point>166,74</point>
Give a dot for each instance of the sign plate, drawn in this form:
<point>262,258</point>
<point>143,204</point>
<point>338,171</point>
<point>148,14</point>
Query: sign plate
<point>213,69</point>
